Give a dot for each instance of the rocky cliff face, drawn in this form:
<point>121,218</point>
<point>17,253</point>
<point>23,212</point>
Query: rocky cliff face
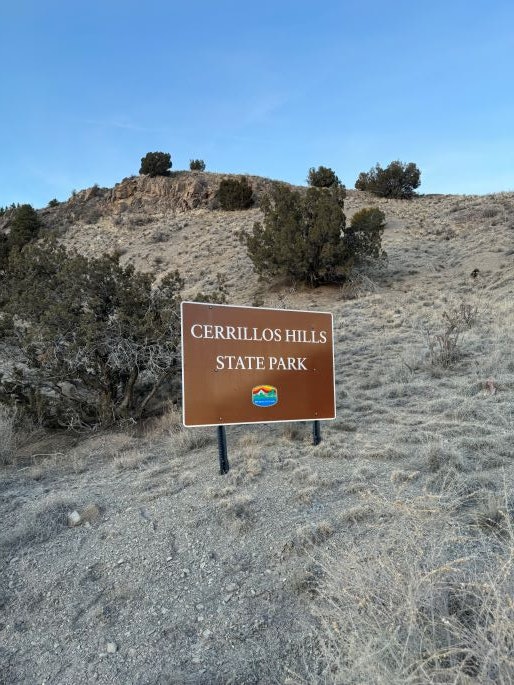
<point>142,196</point>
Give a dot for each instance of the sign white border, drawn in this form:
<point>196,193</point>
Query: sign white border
<point>269,309</point>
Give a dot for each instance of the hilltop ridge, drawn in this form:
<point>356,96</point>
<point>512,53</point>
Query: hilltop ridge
<point>166,223</point>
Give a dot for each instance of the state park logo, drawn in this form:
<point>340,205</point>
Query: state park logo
<point>264,396</point>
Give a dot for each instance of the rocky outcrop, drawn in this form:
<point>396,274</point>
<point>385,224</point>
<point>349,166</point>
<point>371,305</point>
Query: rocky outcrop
<point>182,191</point>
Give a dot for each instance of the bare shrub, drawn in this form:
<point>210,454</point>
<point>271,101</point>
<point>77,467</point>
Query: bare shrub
<point>7,418</point>
<point>443,345</point>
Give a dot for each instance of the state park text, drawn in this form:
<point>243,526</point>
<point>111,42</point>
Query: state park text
<point>231,362</point>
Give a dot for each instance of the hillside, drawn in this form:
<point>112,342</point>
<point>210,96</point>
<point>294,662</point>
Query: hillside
<point>384,555</point>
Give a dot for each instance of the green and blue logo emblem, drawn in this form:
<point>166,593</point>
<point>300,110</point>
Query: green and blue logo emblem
<point>264,396</point>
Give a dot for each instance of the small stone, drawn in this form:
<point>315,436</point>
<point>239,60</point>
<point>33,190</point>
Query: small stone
<point>231,587</point>
<point>207,634</point>
<point>111,648</point>
<point>74,519</point>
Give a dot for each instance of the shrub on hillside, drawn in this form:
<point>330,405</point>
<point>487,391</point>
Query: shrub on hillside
<point>156,164</point>
<point>4,252</point>
<point>25,226</point>
<point>322,177</point>
<point>233,194</point>
<point>54,202</point>
<point>398,180</point>
<point>365,232</point>
<point>197,165</point>
<point>303,236</point>
<point>98,340</point>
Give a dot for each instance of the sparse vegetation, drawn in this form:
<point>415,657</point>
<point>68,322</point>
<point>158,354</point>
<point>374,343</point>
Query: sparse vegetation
<point>397,180</point>
<point>382,555</point>
<point>156,164</point>
<point>25,226</point>
<point>322,177</point>
<point>365,232</point>
<point>420,613</point>
<point>443,346</point>
<point>303,237</point>
<point>89,339</point>
<point>7,422</point>
<point>197,165</point>
<point>235,194</point>
<point>218,295</point>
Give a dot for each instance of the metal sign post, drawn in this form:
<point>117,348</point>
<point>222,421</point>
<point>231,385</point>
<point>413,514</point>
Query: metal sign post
<point>222,450</point>
<point>316,433</point>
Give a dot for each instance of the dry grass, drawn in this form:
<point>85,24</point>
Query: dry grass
<point>423,598</point>
<point>132,459</point>
<point>189,439</point>
<point>308,536</point>
<point>7,419</point>
<point>238,512</point>
<point>42,521</point>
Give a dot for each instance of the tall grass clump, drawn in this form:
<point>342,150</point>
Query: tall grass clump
<point>7,419</point>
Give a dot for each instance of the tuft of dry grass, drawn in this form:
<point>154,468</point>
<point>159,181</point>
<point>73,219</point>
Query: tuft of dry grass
<point>7,419</point>
<point>132,459</point>
<point>308,536</point>
<point>42,521</point>
<point>239,511</point>
<point>190,439</point>
<point>168,423</point>
<point>400,477</point>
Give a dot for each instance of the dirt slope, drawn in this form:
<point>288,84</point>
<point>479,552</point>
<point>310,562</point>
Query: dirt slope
<point>177,575</point>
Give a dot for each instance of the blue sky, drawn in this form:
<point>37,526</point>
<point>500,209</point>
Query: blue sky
<point>269,88</point>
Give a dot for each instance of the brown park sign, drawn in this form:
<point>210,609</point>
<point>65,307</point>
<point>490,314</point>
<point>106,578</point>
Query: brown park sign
<point>255,365</point>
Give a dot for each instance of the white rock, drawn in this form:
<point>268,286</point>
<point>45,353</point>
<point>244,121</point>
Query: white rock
<point>111,648</point>
<point>74,519</point>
